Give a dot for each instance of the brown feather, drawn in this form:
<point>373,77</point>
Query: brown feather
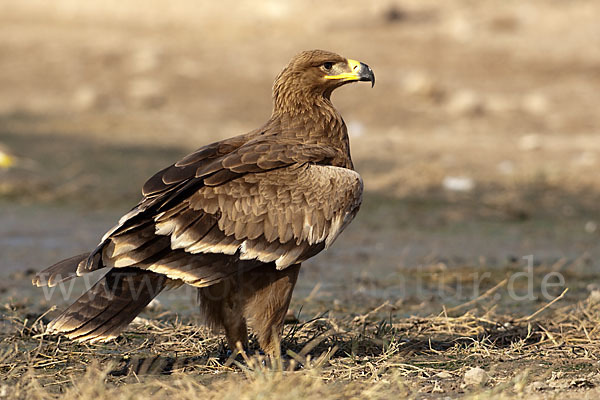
<point>59,272</point>
<point>108,306</point>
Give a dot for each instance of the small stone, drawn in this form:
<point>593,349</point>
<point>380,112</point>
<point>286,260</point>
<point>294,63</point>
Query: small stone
<point>591,227</point>
<point>139,321</point>
<point>444,375</point>
<point>592,286</point>
<point>594,297</point>
<point>476,376</point>
<point>458,183</point>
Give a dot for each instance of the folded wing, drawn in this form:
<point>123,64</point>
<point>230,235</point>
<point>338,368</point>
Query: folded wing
<point>228,206</point>
<point>284,215</point>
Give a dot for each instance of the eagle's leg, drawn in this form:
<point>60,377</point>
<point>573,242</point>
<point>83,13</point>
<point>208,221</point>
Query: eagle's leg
<point>236,330</point>
<point>268,293</point>
<point>223,307</point>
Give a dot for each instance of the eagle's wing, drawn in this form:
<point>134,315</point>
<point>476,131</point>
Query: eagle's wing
<point>230,205</point>
<point>214,165</point>
<point>284,215</point>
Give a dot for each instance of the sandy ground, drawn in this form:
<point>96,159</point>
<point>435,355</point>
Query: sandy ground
<point>479,144</point>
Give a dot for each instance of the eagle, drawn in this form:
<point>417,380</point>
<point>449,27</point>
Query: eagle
<point>234,219</point>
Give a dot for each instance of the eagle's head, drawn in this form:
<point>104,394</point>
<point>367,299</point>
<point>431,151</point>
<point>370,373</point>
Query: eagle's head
<point>315,74</point>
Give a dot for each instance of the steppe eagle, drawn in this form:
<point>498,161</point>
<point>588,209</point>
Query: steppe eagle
<point>234,219</point>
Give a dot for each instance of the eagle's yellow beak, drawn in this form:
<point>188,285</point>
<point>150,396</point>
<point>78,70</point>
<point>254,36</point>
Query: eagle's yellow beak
<point>358,72</point>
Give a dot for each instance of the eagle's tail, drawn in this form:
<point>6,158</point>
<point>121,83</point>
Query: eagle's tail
<point>109,306</point>
<point>59,272</point>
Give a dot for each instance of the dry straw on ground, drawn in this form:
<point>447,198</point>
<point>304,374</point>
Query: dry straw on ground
<point>368,356</point>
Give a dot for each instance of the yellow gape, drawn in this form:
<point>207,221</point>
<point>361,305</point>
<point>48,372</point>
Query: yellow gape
<point>354,66</point>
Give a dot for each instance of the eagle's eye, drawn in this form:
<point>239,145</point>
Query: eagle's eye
<point>327,66</point>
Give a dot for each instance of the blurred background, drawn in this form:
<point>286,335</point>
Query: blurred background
<point>479,145</point>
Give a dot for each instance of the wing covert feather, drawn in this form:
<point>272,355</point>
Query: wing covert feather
<point>275,215</point>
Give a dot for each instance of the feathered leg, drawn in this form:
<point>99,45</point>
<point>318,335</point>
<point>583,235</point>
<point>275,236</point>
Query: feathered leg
<point>223,307</point>
<point>261,294</point>
<point>267,300</point>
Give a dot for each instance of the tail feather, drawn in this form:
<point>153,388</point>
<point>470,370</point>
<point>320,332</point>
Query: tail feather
<point>110,305</point>
<point>59,272</point>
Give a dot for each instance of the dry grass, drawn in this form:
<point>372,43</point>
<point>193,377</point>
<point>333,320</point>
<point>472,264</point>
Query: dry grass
<point>373,355</point>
